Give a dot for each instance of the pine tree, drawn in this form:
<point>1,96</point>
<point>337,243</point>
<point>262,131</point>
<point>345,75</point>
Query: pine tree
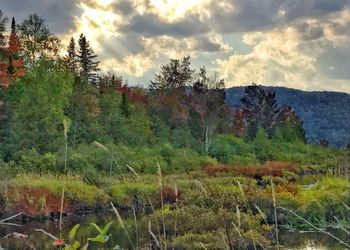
<point>124,106</point>
<point>174,75</point>
<point>261,108</point>
<point>86,56</point>
<point>13,26</point>
<point>71,57</point>
<point>14,44</point>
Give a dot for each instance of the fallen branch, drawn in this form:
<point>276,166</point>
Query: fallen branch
<point>9,218</point>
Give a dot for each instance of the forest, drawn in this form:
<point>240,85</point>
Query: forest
<point>167,166</point>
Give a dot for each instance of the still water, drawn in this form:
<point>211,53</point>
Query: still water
<point>38,240</point>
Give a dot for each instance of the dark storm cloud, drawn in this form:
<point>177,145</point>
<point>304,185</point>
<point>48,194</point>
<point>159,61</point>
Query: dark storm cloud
<point>150,25</point>
<point>312,8</point>
<point>252,15</point>
<point>206,45</point>
<point>124,7</point>
<point>58,14</point>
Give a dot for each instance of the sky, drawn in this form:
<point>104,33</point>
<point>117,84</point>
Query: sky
<point>303,44</point>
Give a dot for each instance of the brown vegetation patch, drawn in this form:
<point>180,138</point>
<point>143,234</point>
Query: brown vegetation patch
<point>269,168</point>
<point>213,170</point>
<point>35,201</point>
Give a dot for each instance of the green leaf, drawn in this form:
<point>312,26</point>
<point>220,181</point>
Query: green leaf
<point>73,232</point>
<point>85,247</point>
<point>99,238</point>
<point>97,228</point>
<point>106,228</point>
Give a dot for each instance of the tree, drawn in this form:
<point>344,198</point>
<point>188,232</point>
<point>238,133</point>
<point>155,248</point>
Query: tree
<point>125,106</point>
<point>261,108</point>
<point>37,40</point>
<point>3,22</point>
<point>86,56</point>
<point>174,75</point>
<point>208,100</point>
<point>37,104</point>
<point>289,127</point>
<point>239,123</point>
<point>11,65</point>
<point>83,111</point>
<point>71,58</point>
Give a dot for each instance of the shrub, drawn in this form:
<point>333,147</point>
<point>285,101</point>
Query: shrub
<point>125,193</point>
<point>216,169</point>
<point>47,188</point>
<point>269,168</point>
<point>31,160</point>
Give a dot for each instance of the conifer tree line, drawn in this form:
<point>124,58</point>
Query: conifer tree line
<point>181,105</point>
<point>82,61</point>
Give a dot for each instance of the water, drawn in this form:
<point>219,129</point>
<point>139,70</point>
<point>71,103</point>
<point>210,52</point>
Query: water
<point>289,240</point>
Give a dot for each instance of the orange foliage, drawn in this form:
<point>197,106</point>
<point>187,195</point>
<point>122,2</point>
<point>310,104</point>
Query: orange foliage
<point>213,170</point>
<point>269,168</point>
<point>36,201</point>
<point>135,95</point>
<point>169,195</point>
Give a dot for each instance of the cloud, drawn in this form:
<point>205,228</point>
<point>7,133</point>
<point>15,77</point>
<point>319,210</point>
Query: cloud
<point>309,54</point>
<point>295,43</point>
<point>151,25</point>
<point>57,14</point>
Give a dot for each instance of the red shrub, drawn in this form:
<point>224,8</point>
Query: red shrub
<point>271,168</point>
<point>213,170</point>
<point>36,201</point>
<point>169,195</point>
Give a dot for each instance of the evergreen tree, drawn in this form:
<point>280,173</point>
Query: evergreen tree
<point>71,57</point>
<point>14,44</point>
<point>125,106</point>
<point>86,56</point>
<point>260,106</point>
<point>174,75</point>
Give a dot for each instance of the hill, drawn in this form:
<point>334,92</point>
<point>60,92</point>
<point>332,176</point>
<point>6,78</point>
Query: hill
<point>326,115</point>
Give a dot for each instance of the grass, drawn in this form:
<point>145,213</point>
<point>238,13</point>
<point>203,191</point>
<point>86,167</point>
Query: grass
<point>75,189</point>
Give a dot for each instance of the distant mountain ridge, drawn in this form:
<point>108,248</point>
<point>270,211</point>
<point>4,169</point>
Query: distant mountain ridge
<point>326,115</point>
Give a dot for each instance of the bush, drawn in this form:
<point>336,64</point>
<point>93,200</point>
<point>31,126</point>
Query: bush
<point>125,193</point>
<point>31,160</point>
<point>33,191</point>
<point>269,168</point>
<point>226,147</point>
<point>213,170</point>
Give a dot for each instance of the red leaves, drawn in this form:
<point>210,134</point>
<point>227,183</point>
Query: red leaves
<point>35,201</point>
<point>14,44</point>
<point>269,168</point>
<point>213,170</point>
<point>58,243</point>
<point>135,95</point>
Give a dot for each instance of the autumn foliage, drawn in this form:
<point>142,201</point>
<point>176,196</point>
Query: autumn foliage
<point>212,170</point>
<point>11,66</point>
<point>269,168</point>
<point>135,95</point>
<point>35,201</point>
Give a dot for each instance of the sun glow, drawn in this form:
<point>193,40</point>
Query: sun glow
<point>173,9</point>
